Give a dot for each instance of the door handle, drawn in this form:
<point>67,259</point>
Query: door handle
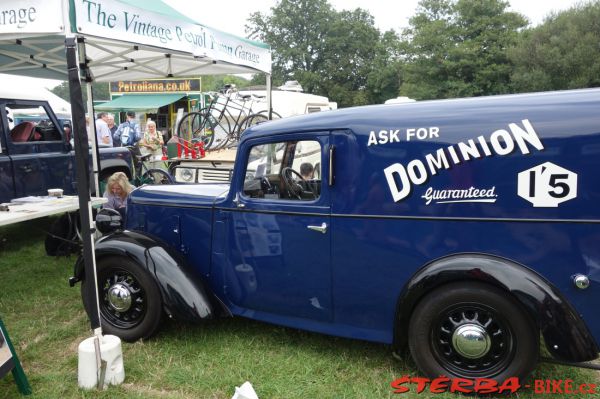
<point>238,202</point>
<point>27,168</point>
<point>322,228</point>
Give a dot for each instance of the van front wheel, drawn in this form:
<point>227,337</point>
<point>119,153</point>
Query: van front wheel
<point>130,304</point>
<point>472,330</point>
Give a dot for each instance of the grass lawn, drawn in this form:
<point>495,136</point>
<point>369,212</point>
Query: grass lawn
<point>46,322</point>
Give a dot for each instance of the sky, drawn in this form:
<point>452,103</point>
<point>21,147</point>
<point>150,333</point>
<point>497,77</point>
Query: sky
<point>231,15</point>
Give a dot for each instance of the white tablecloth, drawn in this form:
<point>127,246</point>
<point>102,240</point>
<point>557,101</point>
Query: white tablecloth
<point>20,212</point>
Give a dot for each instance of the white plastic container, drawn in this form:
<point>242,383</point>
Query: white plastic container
<point>110,349</point>
<point>246,391</point>
<point>55,192</point>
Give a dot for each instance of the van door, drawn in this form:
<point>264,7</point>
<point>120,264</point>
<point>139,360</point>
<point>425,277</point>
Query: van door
<point>278,251</point>
<point>41,157</point>
<point>7,184</point>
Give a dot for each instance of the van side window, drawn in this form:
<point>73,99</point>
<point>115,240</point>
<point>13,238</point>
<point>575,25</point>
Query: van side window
<point>289,170</point>
<point>29,123</point>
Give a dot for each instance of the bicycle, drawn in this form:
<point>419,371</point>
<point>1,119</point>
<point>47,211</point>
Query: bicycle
<point>143,174</point>
<point>214,120</point>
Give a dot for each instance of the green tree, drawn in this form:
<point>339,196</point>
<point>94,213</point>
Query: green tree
<point>216,82</point>
<point>100,91</point>
<point>330,53</point>
<point>562,53</point>
<point>384,78</point>
<point>295,29</point>
<point>458,48</point>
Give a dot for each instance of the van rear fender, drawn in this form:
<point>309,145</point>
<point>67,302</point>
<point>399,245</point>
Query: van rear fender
<point>545,305</point>
<point>184,295</point>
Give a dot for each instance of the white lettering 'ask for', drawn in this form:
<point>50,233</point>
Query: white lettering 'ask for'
<point>394,135</point>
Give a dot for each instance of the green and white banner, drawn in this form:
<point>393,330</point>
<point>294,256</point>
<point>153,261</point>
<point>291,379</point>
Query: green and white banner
<point>119,21</point>
<point>31,17</point>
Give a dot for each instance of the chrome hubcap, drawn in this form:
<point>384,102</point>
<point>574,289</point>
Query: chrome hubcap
<point>119,297</point>
<point>471,341</point>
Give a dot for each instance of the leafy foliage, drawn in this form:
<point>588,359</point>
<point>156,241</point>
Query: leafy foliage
<point>562,53</point>
<point>329,52</point>
<point>216,82</point>
<point>100,91</point>
<point>383,81</point>
<point>458,49</point>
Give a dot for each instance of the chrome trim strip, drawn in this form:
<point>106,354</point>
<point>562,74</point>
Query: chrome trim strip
<point>346,216</point>
<point>430,218</point>
<point>170,205</point>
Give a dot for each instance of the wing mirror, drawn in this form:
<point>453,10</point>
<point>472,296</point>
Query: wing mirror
<point>108,221</point>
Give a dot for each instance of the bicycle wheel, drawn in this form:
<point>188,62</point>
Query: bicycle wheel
<point>156,176</point>
<point>250,121</point>
<point>221,128</point>
<point>274,115</point>
<point>203,125</point>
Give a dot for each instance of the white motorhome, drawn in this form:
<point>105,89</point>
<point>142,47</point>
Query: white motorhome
<point>290,103</point>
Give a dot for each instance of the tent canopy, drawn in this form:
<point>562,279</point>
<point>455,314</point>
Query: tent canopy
<point>108,40</point>
<point>139,102</point>
<point>123,39</point>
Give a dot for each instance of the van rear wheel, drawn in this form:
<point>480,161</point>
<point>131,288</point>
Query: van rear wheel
<point>130,300</point>
<point>472,330</point>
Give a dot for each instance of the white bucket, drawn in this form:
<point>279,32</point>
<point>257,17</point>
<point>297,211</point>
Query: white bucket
<point>110,349</point>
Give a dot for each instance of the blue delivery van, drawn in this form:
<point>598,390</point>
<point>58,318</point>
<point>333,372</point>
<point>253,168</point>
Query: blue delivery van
<point>467,231</point>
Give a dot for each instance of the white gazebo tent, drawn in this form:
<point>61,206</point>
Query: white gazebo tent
<point>102,40</point>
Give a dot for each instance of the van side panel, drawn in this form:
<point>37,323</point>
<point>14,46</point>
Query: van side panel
<point>185,223</point>
<point>510,176</point>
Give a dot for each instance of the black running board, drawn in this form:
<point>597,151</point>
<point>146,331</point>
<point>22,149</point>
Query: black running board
<point>584,365</point>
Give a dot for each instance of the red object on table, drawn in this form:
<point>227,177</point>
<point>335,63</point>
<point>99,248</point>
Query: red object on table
<point>186,149</point>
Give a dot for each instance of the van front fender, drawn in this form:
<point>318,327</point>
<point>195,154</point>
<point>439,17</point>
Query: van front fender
<point>184,295</point>
<point>566,335</point>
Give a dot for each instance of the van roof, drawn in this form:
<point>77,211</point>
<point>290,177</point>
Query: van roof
<point>366,118</point>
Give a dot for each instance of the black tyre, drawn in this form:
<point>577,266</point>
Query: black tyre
<point>195,125</point>
<point>472,330</point>
<point>130,304</point>
<point>274,115</point>
<point>157,176</point>
<point>64,237</point>
<point>247,122</point>
<point>204,125</point>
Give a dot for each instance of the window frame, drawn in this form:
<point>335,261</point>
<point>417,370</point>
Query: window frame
<point>322,138</point>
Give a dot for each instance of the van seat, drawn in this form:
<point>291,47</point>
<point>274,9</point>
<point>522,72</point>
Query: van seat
<point>22,132</point>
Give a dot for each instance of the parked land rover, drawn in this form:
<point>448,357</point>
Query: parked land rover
<point>465,230</point>
<point>35,152</point>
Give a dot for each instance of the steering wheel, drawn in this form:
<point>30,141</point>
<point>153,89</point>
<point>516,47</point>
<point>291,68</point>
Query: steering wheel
<point>293,188</point>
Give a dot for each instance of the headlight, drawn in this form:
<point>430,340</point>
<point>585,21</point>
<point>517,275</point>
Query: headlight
<point>185,175</point>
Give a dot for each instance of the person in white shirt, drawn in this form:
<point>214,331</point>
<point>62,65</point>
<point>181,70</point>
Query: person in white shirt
<point>102,130</point>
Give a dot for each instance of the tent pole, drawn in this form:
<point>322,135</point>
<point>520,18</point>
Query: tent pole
<point>90,107</point>
<point>83,186</point>
<point>269,98</point>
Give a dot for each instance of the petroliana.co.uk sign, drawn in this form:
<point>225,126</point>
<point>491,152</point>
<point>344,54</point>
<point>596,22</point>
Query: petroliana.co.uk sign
<point>155,86</point>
